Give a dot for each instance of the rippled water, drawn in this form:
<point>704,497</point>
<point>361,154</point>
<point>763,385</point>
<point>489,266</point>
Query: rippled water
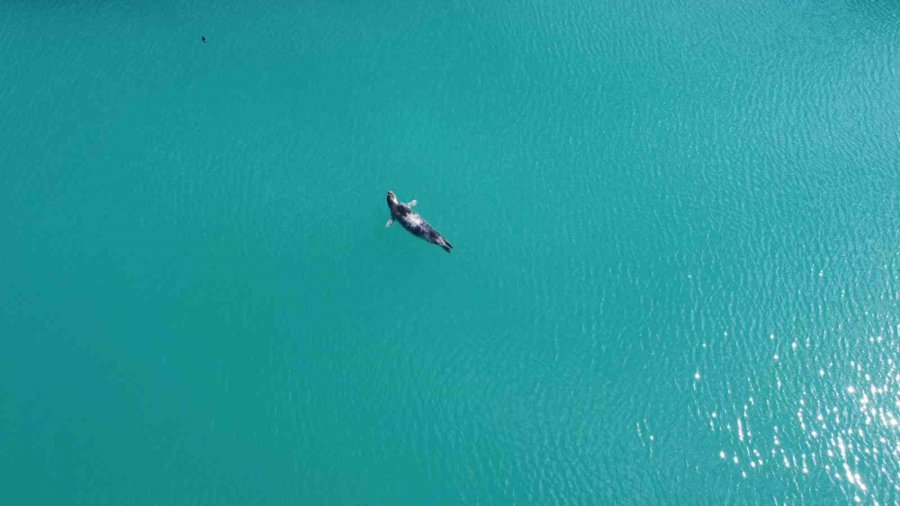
<point>675,275</point>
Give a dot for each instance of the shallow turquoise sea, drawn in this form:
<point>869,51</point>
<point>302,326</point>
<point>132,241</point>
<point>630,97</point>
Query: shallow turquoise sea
<point>676,274</point>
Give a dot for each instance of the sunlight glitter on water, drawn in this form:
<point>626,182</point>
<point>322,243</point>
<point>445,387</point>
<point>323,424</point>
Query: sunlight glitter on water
<point>848,432</point>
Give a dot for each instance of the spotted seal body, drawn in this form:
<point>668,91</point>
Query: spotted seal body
<point>411,221</point>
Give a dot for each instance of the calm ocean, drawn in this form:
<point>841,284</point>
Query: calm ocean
<point>676,274</point>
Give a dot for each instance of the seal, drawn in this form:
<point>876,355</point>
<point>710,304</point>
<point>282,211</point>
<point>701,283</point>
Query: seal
<point>413,222</point>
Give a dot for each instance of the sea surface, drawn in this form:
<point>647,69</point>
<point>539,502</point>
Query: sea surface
<point>676,274</point>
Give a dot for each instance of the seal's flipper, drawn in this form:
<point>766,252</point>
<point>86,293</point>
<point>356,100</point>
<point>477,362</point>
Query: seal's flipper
<point>389,223</point>
<point>412,203</point>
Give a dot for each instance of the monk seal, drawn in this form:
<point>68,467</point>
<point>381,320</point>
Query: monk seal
<point>413,222</point>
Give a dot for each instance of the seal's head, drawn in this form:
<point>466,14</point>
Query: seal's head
<point>392,199</point>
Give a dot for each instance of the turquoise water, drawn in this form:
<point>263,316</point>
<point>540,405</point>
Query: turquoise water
<point>675,276</point>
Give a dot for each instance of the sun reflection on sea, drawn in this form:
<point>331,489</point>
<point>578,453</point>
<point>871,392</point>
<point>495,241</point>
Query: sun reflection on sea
<point>846,415</point>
